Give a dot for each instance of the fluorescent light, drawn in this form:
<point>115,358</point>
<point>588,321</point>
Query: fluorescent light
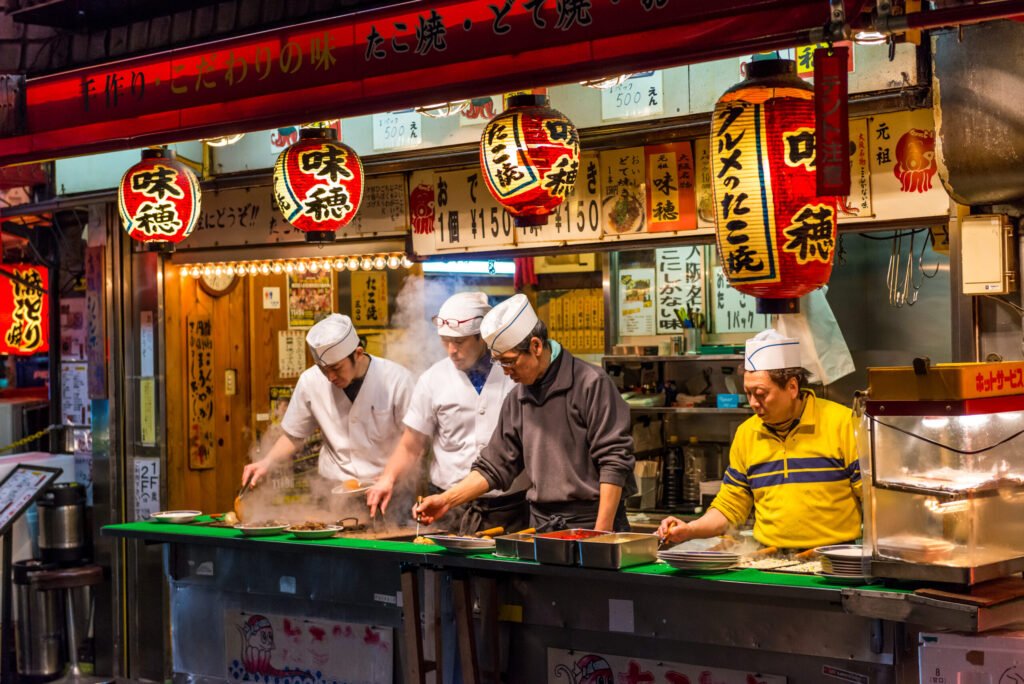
<point>493,267</point>
<point>870,37</point>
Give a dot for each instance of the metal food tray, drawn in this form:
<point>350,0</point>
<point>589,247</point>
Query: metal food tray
<point>618,550</point>
<point>515,546</point>
<point>559,548</point>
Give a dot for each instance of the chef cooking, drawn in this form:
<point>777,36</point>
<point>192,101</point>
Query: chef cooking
<point>565,425</point>
<point>453,412</point>
<point>794,462</point>
<point>357,401</point>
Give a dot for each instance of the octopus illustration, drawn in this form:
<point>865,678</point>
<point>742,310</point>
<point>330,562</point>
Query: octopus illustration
<point>590,669</point>
<point>915,160</point>
<point>421,206</point>
<point>258,646</point>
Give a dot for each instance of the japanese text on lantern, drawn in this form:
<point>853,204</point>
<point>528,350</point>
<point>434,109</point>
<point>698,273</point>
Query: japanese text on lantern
<point>327,202</point>
<point>746,225</point>
<point>160,215</point>
<point>504,147</point>
<point>200,393</point>
<point>561,179</point>
<point>811,236</point>
<point>26,334</point>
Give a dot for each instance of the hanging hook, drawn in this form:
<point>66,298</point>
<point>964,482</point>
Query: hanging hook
<point>910,288</point>
<point>920,263</point>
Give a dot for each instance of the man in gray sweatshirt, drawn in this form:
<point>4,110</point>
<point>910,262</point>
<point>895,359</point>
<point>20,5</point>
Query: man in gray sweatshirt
<point>565,424</point>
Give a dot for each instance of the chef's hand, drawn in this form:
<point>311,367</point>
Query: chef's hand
<point>672,530</point>
<point>379,495</point>
<point>430,509</point>
<point>254,472</point>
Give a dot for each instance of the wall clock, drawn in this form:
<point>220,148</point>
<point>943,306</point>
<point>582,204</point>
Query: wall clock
<point>218,285</point>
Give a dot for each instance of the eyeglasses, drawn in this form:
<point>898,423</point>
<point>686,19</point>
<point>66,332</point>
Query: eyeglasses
<point>507,363</point>
<point>451,322</point>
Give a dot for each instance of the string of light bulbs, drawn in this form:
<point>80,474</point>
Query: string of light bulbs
<point>366,262</point>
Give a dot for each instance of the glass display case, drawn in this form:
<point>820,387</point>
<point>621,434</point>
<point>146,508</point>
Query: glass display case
<point>943,487</point>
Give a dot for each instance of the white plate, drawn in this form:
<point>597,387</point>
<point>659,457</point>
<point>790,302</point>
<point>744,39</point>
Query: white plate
<point>462,544</point>
<point>250,531</point>
<point>325,533</point>
<point>175,516</point>
<point>848,551</point>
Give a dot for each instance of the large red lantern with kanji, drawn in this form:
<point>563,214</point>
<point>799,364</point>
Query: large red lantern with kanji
<point>318,184</point>
<point>776,237</point>
<point>530,155</point>
<point>24,309</point>
<point>159,200</point>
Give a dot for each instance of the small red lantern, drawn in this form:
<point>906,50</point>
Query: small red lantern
<point>776,237</point>
<point>159,200</point>
<point>530,154</point>
<point>318,184</point>
<point>24,309</point>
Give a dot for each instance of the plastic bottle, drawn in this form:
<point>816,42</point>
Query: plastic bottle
<point>694,467</point>
<point>672,493</point>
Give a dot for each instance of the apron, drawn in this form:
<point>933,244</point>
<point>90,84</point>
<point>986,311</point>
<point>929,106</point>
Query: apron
<point>551,517</point>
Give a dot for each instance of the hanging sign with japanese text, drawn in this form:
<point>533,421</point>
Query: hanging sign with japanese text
<point>805,57</point>
<point>397,130</point>
<point>639,95</point>
<point>370,299</point>
<point>623,200</point>
<point>671,200</point>
<point>832,122</point>
<point>858,203</point>
<point>24,309</point>
<point>680,286</point>
<point>578,217</point>
<point>199,384</point>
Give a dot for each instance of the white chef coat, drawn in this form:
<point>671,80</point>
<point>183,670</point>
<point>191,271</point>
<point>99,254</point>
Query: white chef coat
<point>358,437</point>
<point>446,407</point>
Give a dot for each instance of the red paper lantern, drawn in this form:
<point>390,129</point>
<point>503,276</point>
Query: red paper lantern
<point>159,200</point>
<point>24,309</point>
<point>318,184</point>
<point>776,237</point>
<point>530,154</point>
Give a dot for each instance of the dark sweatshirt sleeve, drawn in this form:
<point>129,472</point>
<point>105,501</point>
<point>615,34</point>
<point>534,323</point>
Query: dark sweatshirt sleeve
<point>608,431</point>
<point>502,459</point>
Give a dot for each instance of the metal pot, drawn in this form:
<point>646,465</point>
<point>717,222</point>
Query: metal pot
<point>62,524</point>
<point>38,622</point>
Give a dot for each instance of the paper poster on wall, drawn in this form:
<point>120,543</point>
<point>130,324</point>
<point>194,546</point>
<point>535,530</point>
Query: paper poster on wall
<point>636,301</point>
<point>671,201</point>
<point>146,349</point>
<point>639,95</point>
<point>74,392</point>
<point>584,667</point>
<point>72,329</point>
<point>291,353</point>
<point>280,395</point>
<point>858,203</point>
<point>623,200</point>
<point>904,174</point>
<point>385,207</point>
<point>199,381</point>
<point>310,297</point>
<point>680,286</point>
<point>147,411</point>
<point>397,130</point>
<point>734,311</point>
<point>370,299</point>
<point>147,487</point>
<point>704,187</point>
<point>266,647</point>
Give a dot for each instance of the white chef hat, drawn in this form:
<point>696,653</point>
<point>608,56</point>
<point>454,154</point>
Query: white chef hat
<point>768,350</point>
<point>470,307</point>
<point>508,324</point>
<point>332,339</point>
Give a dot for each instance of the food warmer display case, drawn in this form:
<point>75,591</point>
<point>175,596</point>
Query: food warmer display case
<point>942,457</point>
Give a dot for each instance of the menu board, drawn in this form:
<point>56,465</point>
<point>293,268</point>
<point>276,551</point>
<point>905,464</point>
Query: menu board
<point>20,488</point>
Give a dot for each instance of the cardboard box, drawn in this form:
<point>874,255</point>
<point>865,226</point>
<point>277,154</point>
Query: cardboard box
<point>993,658</point>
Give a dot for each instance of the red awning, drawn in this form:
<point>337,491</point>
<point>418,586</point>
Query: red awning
<point>388,60</point>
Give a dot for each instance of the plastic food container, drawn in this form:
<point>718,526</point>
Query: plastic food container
<point>515,546</point>
<point>559,548</point>
<point>618,550</point>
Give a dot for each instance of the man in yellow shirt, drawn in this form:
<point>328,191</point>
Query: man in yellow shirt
<point>795,461</point>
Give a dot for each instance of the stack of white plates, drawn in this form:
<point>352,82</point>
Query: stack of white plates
<point>842,562</point>
<point>699,561</point>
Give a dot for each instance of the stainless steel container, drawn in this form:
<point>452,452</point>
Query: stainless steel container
<point>38,622</point>
<point>618,550</point>
<point>518,546</point>
<point>62,524</point>
<point>559,548</point>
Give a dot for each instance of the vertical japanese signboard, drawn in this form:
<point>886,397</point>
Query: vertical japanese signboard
<point>904,171</point>
<point>95,321</point>
<point>24,309</point>
<point>832,122</point>
<point>671,200</point>
<point>623,203</point>
<point>199,383</point>
<point>858,203</point>
<point>370,299</point>
<point>680,284</point>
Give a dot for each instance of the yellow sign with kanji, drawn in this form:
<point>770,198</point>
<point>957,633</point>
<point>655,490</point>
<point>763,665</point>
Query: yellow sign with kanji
<point>370,299</point>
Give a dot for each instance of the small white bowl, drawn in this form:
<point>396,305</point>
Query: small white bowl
<point>175,516</point>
